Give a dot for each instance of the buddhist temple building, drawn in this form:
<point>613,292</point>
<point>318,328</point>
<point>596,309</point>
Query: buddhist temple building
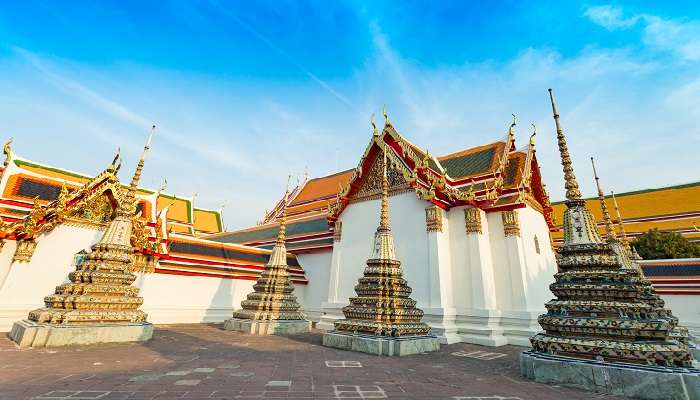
<point>472,228</point>
<point>473,235</point>
<point>39,248</point>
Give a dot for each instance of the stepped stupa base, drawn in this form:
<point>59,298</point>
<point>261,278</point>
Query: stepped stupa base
<point>28,333</point>
<point>634,381</point>
<point>279,327</point>
<point>381,345</point>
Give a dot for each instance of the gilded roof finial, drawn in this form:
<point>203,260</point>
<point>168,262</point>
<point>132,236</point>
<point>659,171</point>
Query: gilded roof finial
<point>7,151</point>
<point>386,116</point>
<point>534,133</point>
<point>512,125</point>
<point>375,132</point>
<point>116,161</point>
<point>620,224</point>
<point>137,174</point>
<point>609,232</point>
<point>572,189</point>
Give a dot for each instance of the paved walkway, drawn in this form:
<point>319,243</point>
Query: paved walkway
<point>207,362</point>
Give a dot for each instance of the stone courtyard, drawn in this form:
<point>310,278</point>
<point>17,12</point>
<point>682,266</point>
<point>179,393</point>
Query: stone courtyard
<point>206,362</point>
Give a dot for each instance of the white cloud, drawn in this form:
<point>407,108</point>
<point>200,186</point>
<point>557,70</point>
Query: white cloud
<point>679,37</point>
<point>610,17</point>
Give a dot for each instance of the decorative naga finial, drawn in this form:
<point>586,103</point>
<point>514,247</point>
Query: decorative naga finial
<point>512,125</point>
<point>7,151</point>
<point>386,116</point>
<point>609,232</point>
<point>137,174</point>
<point>534,133</point>
<point>384,215</point>
<point>375,132</point>
<point>620,224</point>
<point>572,189</point>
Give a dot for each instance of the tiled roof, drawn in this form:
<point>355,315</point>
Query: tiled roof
<point>473,161</point>
<point>28,180</point>
<point>318,188</point>
<point>671,209</point>
<point>223,253</point>
<point>269,231</point>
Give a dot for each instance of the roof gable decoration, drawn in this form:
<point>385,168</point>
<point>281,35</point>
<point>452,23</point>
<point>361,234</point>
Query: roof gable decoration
<point>430,180</point>
<point>95,203</point>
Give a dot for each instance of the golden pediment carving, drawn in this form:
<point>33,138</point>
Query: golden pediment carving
<point>371,186</point>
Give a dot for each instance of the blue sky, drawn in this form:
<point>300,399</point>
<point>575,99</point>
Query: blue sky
<point>244,93</point>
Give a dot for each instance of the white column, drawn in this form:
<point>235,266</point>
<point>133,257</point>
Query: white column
<point>440,313</point>
<point>522,321</point>
<point>332,307</point>
<point>480,323</point>
<point>6,254</point>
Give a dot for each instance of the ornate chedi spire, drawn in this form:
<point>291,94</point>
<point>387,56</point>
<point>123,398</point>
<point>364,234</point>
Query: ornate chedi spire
<point>620,225</point>
<point>382,306</point>
<point>609,232</point>
<point>100,291</point>
<point>272,300</point>
<point>601,310</point>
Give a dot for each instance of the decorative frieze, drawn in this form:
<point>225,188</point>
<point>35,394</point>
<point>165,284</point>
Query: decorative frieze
<point>337,230</point>
<point>433,219</point>
<point>472,220</point>
<point>511,223</point>
<point>25,250</point>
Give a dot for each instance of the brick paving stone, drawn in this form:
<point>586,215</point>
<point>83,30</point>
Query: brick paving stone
<point>231,365</point>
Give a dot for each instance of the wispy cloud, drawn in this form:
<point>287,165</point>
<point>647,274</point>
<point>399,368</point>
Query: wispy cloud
<point>682,37</point>
<point>214,152</point>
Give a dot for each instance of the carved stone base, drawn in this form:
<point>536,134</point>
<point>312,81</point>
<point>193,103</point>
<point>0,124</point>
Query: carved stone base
<point>30,334</point>
<point>634,381</point>
<point>381,345</point>
<point>281,327</point>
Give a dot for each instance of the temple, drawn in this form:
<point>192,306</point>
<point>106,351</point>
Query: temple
<point>473,235</point>
<point>474,231</point>
<point>52,217</point>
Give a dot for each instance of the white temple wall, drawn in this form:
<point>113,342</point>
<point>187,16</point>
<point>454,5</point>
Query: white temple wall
<point>687,309</point>
<point>315,293</point>
<point>177,299</point>
<point>542,265</point>
<point>499,260</point>
<point>168,299</point>
<point>27,283</point>
<point>529,273</point>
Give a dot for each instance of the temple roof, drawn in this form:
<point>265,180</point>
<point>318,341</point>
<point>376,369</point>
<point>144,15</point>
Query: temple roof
<point>27,180</point>
<point>670,209</point>
<point>490,177</point>
<point>34,198</point>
